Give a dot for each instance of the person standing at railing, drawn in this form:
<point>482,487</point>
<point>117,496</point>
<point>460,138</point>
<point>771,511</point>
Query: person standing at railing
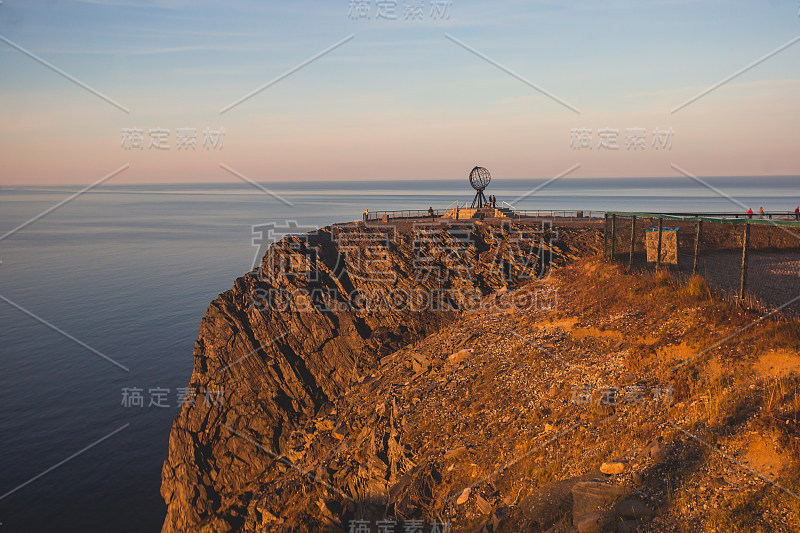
<point>750,213</point>
<point>366,215</point>
<point>797,213</point>
<point>761,212</point>
<point>430,212</point>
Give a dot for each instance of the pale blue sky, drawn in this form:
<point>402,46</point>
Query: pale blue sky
<point>399,92</point>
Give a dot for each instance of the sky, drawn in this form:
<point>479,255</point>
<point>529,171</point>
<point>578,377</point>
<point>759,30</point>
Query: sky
<point>392,90</point>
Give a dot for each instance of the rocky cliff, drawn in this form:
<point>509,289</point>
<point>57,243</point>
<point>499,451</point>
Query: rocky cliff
<point>295,335</point>
<point>558,394</point>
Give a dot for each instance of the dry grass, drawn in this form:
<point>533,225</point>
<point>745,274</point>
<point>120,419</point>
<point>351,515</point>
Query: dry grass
<point>697,290</point>
<point>505,402</point>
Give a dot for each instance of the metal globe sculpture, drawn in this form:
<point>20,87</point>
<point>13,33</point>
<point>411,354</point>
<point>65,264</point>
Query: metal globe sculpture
<point>479,178</point>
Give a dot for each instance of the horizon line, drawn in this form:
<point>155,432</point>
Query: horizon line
<point>376,180</point>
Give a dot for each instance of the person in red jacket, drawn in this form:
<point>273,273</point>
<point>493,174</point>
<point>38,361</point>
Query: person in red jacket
<point>797,213</point>
<point>750,213</point>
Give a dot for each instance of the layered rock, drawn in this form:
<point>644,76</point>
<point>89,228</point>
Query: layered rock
<point>301,331</point>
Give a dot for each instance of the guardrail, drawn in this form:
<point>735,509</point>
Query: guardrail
<point>508,206</point>
<point>779,218</point>
<point>454,204</point>
<point>516,213</point>
<point>403,213</point>
<point>542,213</point>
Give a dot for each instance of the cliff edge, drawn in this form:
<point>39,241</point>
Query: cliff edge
<point>292,336</point>
<point>484,378</point>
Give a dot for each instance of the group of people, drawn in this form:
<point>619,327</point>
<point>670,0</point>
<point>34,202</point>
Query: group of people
<point>761,212</point>
<point>492,201</point>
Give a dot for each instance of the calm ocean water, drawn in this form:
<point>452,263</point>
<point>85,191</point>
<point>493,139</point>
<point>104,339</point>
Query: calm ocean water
<point>129,271</point>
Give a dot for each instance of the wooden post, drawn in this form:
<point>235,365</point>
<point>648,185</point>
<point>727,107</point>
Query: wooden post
<point>613,235</point>
<point>658,250</point>
<point>745,244</point>
<point>605,235</point>
<point>697,245</point>
<point>633,240</point>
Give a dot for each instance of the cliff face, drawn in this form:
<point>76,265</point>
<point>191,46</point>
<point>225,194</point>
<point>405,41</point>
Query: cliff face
<point>289,339</point>
<point>589,399</point>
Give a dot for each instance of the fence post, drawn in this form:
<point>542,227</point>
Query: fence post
<point>633,240</point>
<point>745,243</point>
<point>605,236</point>
<point>658,250</point>
<point>613,235</point>
<point>696,246</point>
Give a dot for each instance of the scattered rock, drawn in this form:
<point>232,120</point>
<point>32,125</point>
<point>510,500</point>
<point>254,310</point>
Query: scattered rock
<point>484,506</point>
<point>658,452</point>
<point>266,516</point>
<point>455,452</point>
<point>419,363</point>
<point>612,467</point>
<point>459,356</point>
<point>499,516</point>
<point>464,497</point>
<point>324,425</point>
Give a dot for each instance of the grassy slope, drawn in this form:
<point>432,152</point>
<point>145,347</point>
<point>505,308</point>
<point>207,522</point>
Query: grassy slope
<point>505,420</point>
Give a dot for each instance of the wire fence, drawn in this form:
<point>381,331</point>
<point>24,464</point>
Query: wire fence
<point>754,259</point>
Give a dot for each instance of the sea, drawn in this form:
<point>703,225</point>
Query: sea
<point>101,294</point>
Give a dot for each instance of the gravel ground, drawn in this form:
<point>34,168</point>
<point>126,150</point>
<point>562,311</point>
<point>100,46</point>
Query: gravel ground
<point>773,278</point>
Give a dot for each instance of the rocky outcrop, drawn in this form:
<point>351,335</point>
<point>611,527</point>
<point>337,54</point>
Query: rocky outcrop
<point>313,323</point>
<point>556,404</point>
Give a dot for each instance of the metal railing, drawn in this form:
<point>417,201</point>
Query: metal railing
<point>454,204</point>
<point>542,213</point>
<point>782,218</point>
<point>508,206</point>
<point>516,213</point>
<point>403,214</point>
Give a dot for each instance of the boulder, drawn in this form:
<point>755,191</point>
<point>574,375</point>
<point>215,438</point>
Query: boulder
<point>612,467</point>
<point>658,452</point>
<point>593,522</point>
<point>633,508</point>
<point>459,356</point>
<point>588,496</point>
<point>484,506</point>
